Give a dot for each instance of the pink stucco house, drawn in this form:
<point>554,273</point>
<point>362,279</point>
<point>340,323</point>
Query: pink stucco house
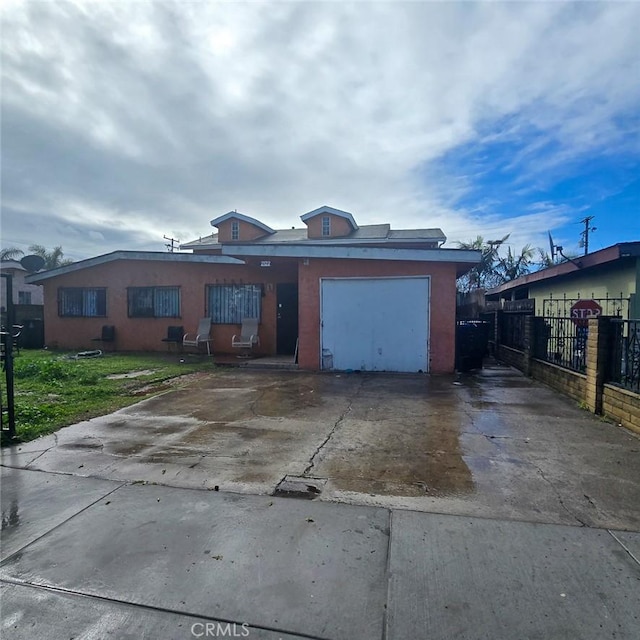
<point>339,294</point>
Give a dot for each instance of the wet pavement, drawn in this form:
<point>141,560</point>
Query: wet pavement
<point>484,506</point>
<point>492,444</point>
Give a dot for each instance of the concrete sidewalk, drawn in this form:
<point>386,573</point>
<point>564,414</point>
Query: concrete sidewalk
<point>90,558</point>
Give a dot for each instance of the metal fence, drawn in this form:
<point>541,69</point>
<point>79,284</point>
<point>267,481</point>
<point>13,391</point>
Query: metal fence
<point>512,330</point>
<point>562,342</point>
<point>625,354</point>
<point>561,307</point>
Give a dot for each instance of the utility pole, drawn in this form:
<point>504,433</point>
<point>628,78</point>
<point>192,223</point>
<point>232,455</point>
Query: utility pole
<point>586,221</point>
<point>171,244</point>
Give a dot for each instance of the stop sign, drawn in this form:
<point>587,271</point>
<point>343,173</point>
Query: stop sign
<point>582,310</point>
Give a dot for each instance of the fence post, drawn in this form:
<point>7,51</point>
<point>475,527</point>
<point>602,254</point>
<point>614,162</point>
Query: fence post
<point>596,365</point>
<point>529,343</point>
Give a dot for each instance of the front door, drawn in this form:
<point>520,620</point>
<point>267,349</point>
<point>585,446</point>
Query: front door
<point>287,325</point>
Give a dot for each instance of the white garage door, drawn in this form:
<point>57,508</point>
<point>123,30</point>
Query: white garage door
<point>375,324</point>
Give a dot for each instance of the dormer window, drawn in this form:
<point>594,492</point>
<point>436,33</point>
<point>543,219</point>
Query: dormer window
<point>235,230</point>
<point>326,226</point>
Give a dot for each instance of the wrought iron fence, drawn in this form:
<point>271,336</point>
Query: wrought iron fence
<point>625,354</point>
<point>512,330</point>
<point>561,307</point>
<point>563,342</point>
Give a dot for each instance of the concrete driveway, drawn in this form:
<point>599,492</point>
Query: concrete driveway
<point>483,507</point>
<point>492,444</point>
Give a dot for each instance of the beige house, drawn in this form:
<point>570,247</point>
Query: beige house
<point>606,282</point>
<point>23,293</point>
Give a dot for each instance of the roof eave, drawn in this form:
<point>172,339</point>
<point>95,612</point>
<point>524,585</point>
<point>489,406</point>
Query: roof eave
<point>150,256</point>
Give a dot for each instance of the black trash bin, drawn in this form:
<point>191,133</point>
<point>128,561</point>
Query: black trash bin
<point>472,340</point>
<point>32,334</point>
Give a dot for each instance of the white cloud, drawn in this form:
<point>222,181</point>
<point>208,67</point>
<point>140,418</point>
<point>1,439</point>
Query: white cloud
<point>157,116</point>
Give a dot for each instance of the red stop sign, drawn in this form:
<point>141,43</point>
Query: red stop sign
<point>582,310</point>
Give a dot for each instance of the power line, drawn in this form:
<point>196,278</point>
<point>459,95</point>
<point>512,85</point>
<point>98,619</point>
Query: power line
<point>584,242</point>
<point>171,244</point>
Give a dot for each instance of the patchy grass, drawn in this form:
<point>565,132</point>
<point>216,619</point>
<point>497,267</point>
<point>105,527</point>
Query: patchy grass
<point>53,390</point>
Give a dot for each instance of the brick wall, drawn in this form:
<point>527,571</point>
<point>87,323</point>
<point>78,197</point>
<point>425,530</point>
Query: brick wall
<point>590,388</point>
<point>622,406</point>
<point>512,357</point>
<point>568,382</point>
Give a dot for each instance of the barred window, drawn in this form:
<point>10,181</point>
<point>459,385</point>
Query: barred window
<point>153,302</point>
<point>78,302</point>
<point>230,303</point>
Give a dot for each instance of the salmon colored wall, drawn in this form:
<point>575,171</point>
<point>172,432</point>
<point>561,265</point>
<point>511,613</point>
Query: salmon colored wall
<point>246,231</point>
<point>145,334</point>
<point>339,226</point>
<point>442,305</point>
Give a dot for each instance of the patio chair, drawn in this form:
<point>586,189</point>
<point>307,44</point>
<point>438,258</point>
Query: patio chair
<point>248,336</point>
<point>107,334</point>
<point>175,335</point>
<point>200,337</point>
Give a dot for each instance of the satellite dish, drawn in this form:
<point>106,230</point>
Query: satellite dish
<point>32,263</point>
<point>552,247</point>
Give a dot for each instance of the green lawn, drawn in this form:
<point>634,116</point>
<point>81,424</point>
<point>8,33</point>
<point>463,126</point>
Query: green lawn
<point>54,389</point>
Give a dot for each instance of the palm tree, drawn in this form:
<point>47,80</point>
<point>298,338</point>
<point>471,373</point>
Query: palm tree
<point>483,275</point>
<point>52,259</point>
<point>513,266</point>
<point>11,253</point>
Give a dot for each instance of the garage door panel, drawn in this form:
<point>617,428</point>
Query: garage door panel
<point>375,324</point>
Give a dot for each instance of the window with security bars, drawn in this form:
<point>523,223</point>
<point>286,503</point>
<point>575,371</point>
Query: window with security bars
<point>78,302</point>
<point>231,303</point>
<point>153,302</point>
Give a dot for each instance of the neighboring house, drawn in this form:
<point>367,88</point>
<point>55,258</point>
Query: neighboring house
<point>23,293</point>
<point>606,282</point>
<point>344,296</point>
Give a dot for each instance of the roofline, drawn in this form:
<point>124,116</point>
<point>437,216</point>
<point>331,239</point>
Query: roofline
<point>316,242</point>
<point>461,256</point>
<point>150,256</point>
<point>240,216</point>
<point>11,264</point>
<point>595,259</point>
<point>336,212</point>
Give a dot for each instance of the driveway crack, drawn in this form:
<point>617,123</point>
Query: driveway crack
<point>560,500</point>
<point>337,423</point>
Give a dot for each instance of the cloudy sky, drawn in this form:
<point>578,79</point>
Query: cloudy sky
<point>126,121</point>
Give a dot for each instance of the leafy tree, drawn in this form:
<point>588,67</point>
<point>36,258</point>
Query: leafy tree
<point>52,259</point>
<point>11,253</point>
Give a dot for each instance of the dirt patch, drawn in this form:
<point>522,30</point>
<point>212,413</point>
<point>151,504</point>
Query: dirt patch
<point>130,374</point>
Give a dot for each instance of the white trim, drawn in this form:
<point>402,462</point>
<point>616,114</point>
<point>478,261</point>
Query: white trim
<point>240,216</point>
<point>356,253</point>
<point>336,212</point>
<point>152,256</point>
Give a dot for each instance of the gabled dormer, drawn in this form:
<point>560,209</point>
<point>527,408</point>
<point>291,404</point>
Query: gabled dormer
<point>327,222</point>
<point>236,227</point>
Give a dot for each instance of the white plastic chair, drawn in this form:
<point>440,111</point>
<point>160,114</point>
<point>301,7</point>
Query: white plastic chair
<point>202,336</point>
<point>248,335</point>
